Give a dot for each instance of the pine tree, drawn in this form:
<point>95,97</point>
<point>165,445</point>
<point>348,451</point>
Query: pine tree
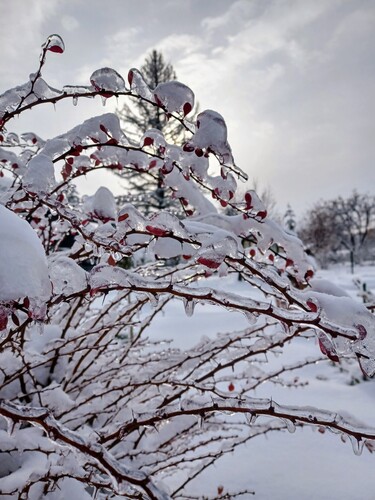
<point>141,116</point>
<point>148,192</point>
<point>290,219</point>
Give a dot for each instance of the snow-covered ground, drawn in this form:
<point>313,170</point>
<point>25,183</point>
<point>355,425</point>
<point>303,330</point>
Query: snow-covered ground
<point>306,464</point>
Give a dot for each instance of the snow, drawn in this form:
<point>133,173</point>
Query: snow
<point>138,84</point>
<point>102,204</point>
<point>40,175</point>
<point>262,373</point>
<point>175,97</point>
<point>23,265</point>
<point>281,465</point>
<point>212,133</point>
<point>107,79</point>
<point>66,275</point>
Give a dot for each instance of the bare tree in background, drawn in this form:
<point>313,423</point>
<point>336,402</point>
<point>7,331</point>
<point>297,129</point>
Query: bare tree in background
<point>340,224</point>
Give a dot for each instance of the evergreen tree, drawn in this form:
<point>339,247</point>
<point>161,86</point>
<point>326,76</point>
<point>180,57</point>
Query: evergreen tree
<point>290,219</point>
<point>147,191</point>
<point>140,116</point>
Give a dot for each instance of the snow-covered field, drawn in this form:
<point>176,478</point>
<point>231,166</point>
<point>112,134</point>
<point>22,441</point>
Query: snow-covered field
<point>306,464</point>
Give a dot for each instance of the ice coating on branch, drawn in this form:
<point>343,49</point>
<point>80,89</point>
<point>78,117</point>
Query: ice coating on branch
<point>344,311</point>
<point>213,254</point>
<point>40,175</point>
<point>138,85</point>
<point>107,80</point>
<point>66,275</point>
<point>102,204</point>
<point>266,233</point>
<point>54,43</point>
<point>130,218</point>
<point>99,128</point>
<point>212,134</point>
<point>23,265</point>
<point>73,90</point>
<point>12,160</point>
<point>190,191</point>
<point>166,248</point>
<point>153,137</point>
<point>224,188</point>
<point>198,165</point>
<point>26,94</point>
<point>11,99</point>
<point>163,223</point>
<point>32,139</point>
<point>43,91</point>
<point>175,97</point>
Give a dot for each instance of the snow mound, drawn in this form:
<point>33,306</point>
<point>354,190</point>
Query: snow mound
<point>23,265</point>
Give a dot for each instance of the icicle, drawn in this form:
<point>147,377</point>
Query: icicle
<point>200,422</point>
<point>12,427</point>
<point>251,418</point>
<point>75,100</point>
<point>357,445</point>
<point>117,256</point>
<point>39,327</point>
<point>154,299</point>
<point>289,425</point>
<point>251,317</point>
<point>189,306</point>
<point>104,100</point>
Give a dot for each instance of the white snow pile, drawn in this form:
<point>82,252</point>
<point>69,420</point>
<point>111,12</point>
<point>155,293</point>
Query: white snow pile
<point>40,175</point>
<point>66,275</point>
<point>23,264</point>
<point>175,96</point>
<point>102,204</point>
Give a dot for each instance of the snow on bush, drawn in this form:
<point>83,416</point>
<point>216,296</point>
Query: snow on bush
<point>92,407</point>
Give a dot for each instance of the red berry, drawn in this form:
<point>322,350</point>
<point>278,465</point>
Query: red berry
<point>187,108</point>
<point>312,306</point>
<point>156,231</point>
<point>212,264</point>
<point>56,48</point>
<point>148,141</point>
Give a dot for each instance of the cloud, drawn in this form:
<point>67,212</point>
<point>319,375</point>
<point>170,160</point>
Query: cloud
<point>21,29</point>
<point>69,23</point>
<point>294,79</point>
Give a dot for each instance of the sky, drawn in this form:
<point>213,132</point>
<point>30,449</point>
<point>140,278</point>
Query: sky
<point>294,79</point>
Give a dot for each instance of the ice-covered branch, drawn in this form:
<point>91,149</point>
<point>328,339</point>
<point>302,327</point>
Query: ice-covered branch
<point>43,418</point>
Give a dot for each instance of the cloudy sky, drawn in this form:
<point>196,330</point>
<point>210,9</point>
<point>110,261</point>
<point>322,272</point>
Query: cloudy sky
<point>294,79</point>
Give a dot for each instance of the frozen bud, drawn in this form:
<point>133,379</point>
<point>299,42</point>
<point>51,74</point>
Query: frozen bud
<point>54,43</point>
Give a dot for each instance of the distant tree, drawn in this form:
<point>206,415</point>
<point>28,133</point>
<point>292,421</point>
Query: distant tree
<point>290,219</point>
<point>139,115</point>
<point>340,224</point>
<point>148,191</point>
